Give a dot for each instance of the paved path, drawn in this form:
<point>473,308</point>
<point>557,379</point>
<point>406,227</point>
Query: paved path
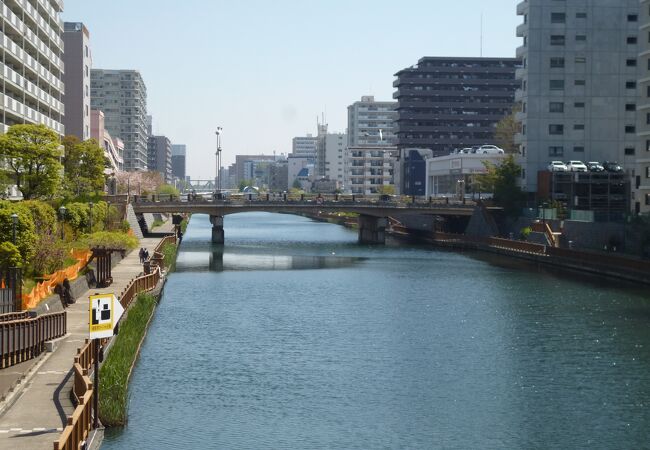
<point>38,416</point>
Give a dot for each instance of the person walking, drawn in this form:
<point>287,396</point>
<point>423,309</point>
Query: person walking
<point>141,255</point>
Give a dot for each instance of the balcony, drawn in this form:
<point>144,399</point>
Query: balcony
<point>522,8</point>
<point>522,30</point>
<point>519,95</point>
<point>520,73</point>
<point>521,51</point>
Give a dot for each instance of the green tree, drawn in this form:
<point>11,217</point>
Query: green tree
<point>83,165</point>
<point>31,154</point>
<point>297,184</point>
<point>386,189</point>
<point>9,255</point>
<point>43,215</point>
<point>26,238</point>
<point>167,189</point>
<point>505,132</point>
<point>501,180</point>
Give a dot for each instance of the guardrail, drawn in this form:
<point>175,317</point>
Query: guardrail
<point>24,338</point>
<point>8,317</point>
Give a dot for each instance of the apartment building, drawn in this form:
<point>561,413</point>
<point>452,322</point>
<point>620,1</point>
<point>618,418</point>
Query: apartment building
<point>579,83</point>
<point>31,43</point>
<point>448,103</point>
<point>330,162</point>
<point>77,59</point>
<point>369,168</point>
<point>304,147</point>
<point>372,123</point>
<point>641,186</point>
<point>122,96</point>
<point>113,146</point>
<point>159,149</point>
<point>179,155</point>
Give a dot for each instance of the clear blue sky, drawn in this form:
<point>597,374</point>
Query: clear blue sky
<point>264,70</point>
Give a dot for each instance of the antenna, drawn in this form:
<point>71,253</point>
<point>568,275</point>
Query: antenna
<point>481,52</point>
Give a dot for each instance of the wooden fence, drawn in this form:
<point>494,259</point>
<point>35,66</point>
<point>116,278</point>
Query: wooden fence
<point>23,338</point>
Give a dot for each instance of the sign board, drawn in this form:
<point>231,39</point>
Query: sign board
<point>104,312</point>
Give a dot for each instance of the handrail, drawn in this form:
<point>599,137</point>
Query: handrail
<point>8,317</point>
<point>24,339</point>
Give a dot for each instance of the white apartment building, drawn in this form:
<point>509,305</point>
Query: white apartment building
<point>368,168</point>
<point>331,155</point>
<point>641,181</point>
<point>372,123</point>
<point>305,147</point>
<point>31,44</point>
<point>78,62</point>
<point>579,83</point>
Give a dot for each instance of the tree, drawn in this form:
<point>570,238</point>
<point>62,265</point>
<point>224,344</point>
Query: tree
<point>501,180</point>
<point>26,238</point>
<point>139,182</point>
<point>83,165</point>
<point>9,255</point>
<point>167,189</point>
<point>505,132</point>
<point>386,189</point>
<point>31,153</point>
<point>297,184</point>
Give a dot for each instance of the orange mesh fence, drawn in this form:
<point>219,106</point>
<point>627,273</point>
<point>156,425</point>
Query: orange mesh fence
<point>46,287</point>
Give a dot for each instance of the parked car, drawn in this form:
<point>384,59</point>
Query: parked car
<point>612,166</point>
<point>490,150</point>
<point>595,166</point>
<point>576,166</point>
<point>557,166</point>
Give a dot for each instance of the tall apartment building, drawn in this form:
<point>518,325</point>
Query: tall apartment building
<point>330,162</point>
<point>578,82</point>
<point>304,147</point>
<point>448,103</point>
<point>179,154</point>
<point>369,168</point>
<point>159,149</point>
<point>78,62</point>
<point>31,52</point>
<point>641,187</point>
<point>372,123</point>
<point>122,95</point>
<point>245,166</point>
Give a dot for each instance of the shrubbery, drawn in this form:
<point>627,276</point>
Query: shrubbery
<point>109,239</point>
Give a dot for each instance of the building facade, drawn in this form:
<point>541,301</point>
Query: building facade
<point>122,96</point>
<point>78,63</point>
<point>372,123</point>
<point>113,147</point>
<point>179,155</point>
<point>641,179</point>
<point>455,175</point>
<point>579,83</point>
<point>369,169</point>
<point>31,57</point>
<point>448,103</point>
<point>305,147</point>
<point>330,161</point>
<point>159,149</point>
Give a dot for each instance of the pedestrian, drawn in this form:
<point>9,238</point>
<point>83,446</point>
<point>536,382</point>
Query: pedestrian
<point>141,255</point>
<point>146,254</point>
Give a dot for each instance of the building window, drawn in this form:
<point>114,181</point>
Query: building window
<point>581,38</point>
<point>556,85</point>
<point>630,62</point>
<point>647,175</point>
<point>631,39</point>
<point>579,105</point>
<point>580,59</point>
<point>629,151</point>
<point>555,129</point>
<point>579,126</point>
<point>647,145</point>
<point>647,199</point>
<point>556,107</point>
<point>630,129</point>
<point>630,85</point>
<point>557,63</point>
<point>579,149</point>
<point>581,15</point>
<point>647,118</point>
<point>556,151</point>
<point>632,18</point>
<point>558,18</point>
<point>579,82</point>
<point>557,39</point>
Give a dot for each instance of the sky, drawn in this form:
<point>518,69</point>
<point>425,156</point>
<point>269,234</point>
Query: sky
<point>265,70</point>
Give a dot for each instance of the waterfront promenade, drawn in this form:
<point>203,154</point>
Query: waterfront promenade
<point>33,416</point>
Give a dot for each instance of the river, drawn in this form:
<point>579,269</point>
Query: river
<point>294,336</point>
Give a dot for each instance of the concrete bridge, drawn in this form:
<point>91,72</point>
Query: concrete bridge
<point>372,220</point>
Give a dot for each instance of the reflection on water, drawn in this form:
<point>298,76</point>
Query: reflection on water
<point>220,259</point>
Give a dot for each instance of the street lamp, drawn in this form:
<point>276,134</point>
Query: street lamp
<point>90,216</point>
<point>14,222</point>
<point>62,215</point>
<point>108,214</point>
<point>218,154</point>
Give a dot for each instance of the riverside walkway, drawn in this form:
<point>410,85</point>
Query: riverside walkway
<point>33,416</point>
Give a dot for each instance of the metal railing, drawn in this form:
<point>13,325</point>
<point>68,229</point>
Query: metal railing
<point>24,338</point>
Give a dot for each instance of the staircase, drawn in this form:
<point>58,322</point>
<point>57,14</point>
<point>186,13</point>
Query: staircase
<point>133,221</point>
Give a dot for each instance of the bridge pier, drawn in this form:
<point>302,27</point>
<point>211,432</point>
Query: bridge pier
<point>217,229</point>
<point>372,230</point>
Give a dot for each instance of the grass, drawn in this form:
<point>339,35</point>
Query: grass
<point>169,252</point>
<point>115,372</point>
<point>157,223</point>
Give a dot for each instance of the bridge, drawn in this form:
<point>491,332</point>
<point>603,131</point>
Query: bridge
<point>372,219</point>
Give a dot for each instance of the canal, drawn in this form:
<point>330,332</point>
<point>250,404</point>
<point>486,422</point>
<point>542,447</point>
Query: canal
<point>294,336</point>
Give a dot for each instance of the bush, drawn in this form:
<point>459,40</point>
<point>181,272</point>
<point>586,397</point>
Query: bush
<point>525,232</point>
<point>167,189</point>
<point>43,215</point>
<point>50,254</point>
<point>109,239</point>
<point>169,253</point>
<point>25,230</point>
<point>9,255</point>
<point>77,216</point>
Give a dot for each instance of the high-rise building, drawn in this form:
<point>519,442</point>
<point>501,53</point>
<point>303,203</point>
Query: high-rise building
<point>448,103</point>
<point>179,154</point>
<point>31,55</point>
<point>304,147</point>
<point>578,83</point>
<point>641,186</point>
<point>330,161</point>
<point>246,166</point>
<point>368,169</point>
<point>372,123</point>
<point>159,149</point>
<point>78,62</point>
<point>113,146</point>
<point>122,96</point>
